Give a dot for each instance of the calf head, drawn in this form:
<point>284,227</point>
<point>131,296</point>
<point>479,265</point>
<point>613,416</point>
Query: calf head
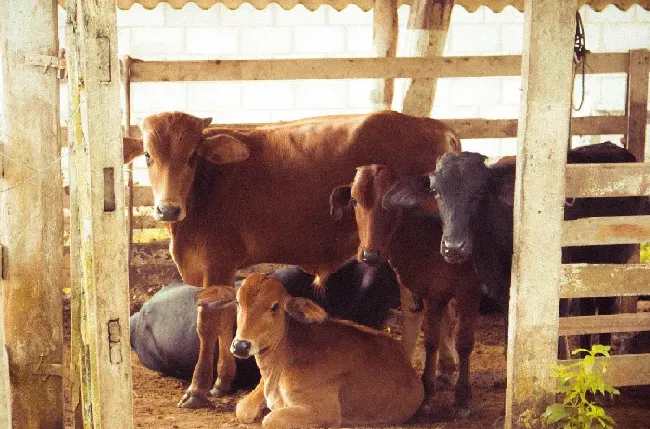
<point>459,183</point>
<point>173,144</point>
<point>262,315</point>
<point>375,224</point>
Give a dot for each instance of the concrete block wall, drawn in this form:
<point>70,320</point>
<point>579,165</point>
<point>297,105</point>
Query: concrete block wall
<point>192,33</point>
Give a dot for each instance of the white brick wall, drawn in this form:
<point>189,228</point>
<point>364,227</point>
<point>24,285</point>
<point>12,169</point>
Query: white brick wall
<point>192,33</point>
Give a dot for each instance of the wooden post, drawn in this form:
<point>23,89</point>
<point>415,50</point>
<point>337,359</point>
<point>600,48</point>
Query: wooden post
<point>384,39</point>
<point>429,23</point>
<point>96,152</point>
<point>126,90</point>
<point>538,211</point>
<point>31,212</point>
<point>5,385</point>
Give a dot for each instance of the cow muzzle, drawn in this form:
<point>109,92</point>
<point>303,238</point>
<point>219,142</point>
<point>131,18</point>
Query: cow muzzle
<point>241,348</point>
<point>370,256</point>
<point>455,252</point>
<point>168,212</point>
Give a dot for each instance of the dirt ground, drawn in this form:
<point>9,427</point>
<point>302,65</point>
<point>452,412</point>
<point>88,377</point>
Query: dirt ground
<point>155,396</point>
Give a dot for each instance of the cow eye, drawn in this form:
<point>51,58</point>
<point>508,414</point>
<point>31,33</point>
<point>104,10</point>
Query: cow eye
<point>275,307</point>
<point>147,158</point>
<point>353,202</point>
<point>433,191</point>
<point>192,160</point>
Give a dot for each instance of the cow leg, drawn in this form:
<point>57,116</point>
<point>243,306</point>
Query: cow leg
<point>320,413</point>
<point>226,366</point>
<point>411,323</point>
<point>447,354</point>
<point>468,305</point>
<point>207,325</point>
<point>431,340</point>
<point>250,407</point>
<point>587,308</point>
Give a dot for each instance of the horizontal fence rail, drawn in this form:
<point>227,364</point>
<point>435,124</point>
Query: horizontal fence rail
<point>624,322</point>
<point>606,230</point>
<point>351,68</point>
<point>625,370</point>
<point>607,180</point>
<point>597,280</point>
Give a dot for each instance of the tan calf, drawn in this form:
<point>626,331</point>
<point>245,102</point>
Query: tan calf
<point>317,372</point>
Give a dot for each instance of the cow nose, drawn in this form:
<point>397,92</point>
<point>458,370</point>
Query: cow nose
<point>167,213</point>
<point>240,348</point>
<point>370,256</point>
<point>454,251</point>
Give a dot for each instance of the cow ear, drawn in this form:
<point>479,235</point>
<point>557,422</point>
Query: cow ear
<point>205,122</point>
<point>223,149</point>
<point>132,148</point>
<point>305,310</point>
<point>407,192</point>
<point>215,298</point>
<point>339,198</point>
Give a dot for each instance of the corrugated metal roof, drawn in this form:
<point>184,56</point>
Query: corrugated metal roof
<point>469,5</point>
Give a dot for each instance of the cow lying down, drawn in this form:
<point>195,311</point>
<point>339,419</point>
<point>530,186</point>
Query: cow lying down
<point>163,332</point>
<point>316,371</point>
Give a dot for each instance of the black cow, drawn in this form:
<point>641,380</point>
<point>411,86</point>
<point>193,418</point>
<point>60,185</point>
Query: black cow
<point>475,202</point>
<point>163,332</point>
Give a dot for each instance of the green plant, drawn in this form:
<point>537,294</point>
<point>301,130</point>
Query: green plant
<point>580,383</point>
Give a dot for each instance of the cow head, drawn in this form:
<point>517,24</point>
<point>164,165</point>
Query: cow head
<point>262,314</point>
<point>172,144</point>
<point>375,224</point>
<point>459,184</point>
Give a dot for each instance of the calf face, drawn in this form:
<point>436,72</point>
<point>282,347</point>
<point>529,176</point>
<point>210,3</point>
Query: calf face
<point>459,183</point>
<point>173,144</point>
<point>261,315</point>
<point>375,224</point>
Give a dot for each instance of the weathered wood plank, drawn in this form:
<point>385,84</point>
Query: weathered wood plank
<point>351,68</point>
<point>591,280</point>
<point>31,218</point>
<point>624,322</point>
<point>607,180</point>
<point>606,230</point>
<point>625,370</point>
<point>637,102</point>
<point>428,27</point>
<point>96,142</point>
<point>384,41</point>
<point>543,131</point>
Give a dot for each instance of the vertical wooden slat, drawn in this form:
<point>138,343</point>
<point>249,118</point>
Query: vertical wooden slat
<point>126,122</point>
<point>5,385</point>
<point>428,24</point>
<point>96,145</point>
<point>384,39</point>
<point>31,212</point>
<point>538,212</point>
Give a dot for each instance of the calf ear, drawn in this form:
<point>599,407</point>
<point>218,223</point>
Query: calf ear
<point>215,298</point>
<point>132,148</point>
<point>223,149</point>
<point>407,192</point>
<point>305,310</point>
<point>339,198</point>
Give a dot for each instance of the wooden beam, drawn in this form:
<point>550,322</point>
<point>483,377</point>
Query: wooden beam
<point>428,24</point>
<point>96,152</point>
<point>606,230</point>
<point>625,370</point>
<point>637,102</point>
<point>587,280</point>
<point>624,322</point>
<point>384,40</point>
<point>31,214</point>
<point>607,180</point>
<point>351,68</point>
<point>538,210</point>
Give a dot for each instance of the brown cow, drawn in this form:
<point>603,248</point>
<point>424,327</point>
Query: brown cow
<point>235,198</point>
<point>410,242</point>
<point>316,372</point>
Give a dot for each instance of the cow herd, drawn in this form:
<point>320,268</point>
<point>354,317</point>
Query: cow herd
<point>427,222</point>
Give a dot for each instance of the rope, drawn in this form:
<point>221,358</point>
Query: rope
<point>580,56</point>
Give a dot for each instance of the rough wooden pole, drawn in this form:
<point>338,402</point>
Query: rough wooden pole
<point>384,39</point>
<point>31,212</point>
<point>428,24</point>
<point>5,385</point>
<point>126,121</point>
<point>96,151</point>
<point>539,202</point>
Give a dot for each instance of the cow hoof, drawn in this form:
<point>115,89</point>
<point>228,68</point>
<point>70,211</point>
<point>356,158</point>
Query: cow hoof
<point>461,413</point>
<point>445,381</point>
<point>218,392</point>
<point>426,407</point>
<point>195,400</point>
